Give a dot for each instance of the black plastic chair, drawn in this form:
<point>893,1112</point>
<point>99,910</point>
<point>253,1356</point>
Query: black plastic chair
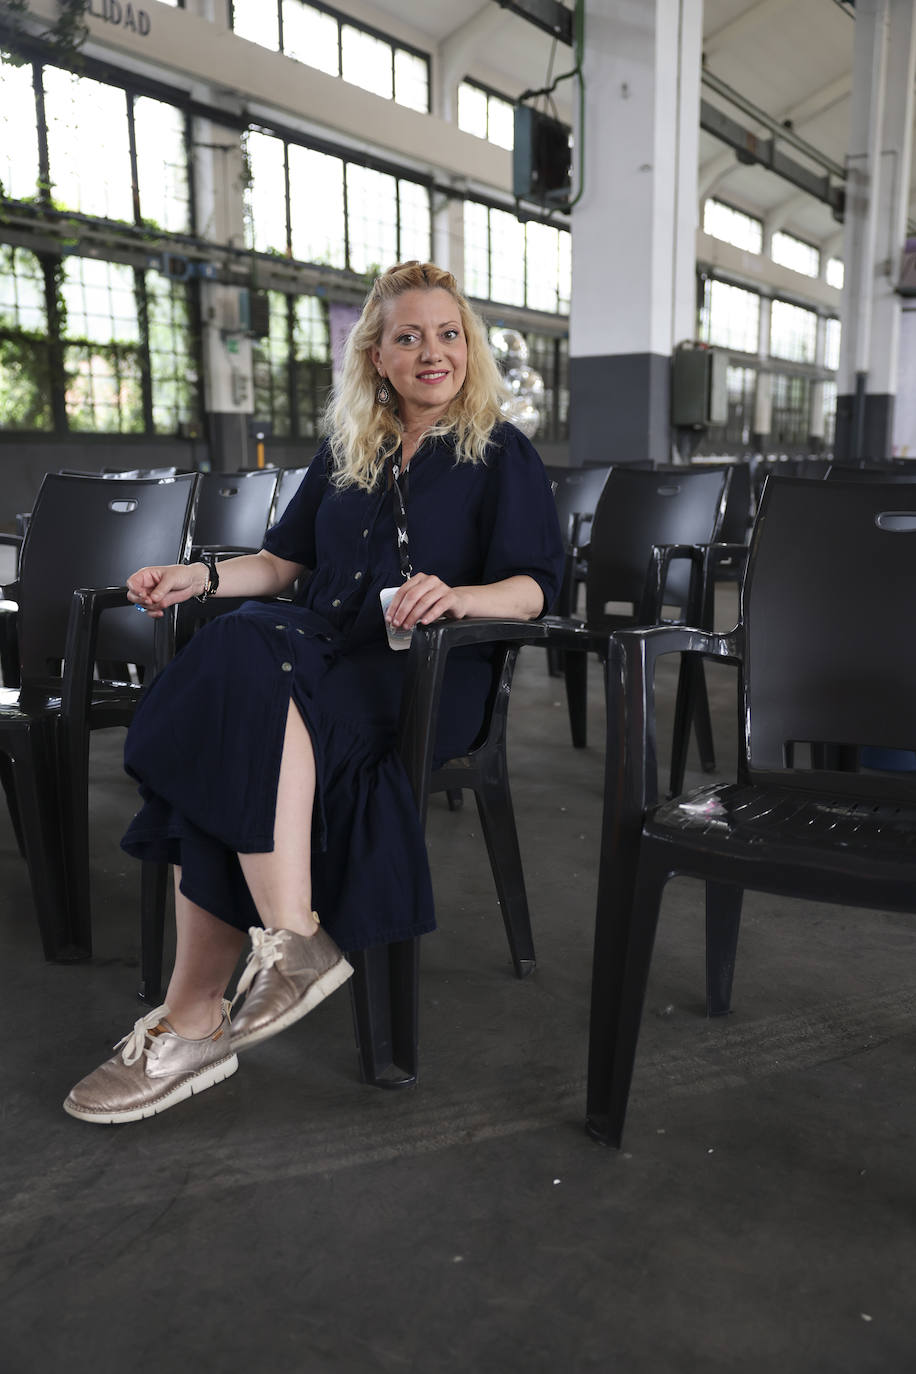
<point>824,656</point>
<point>845,472</point>
<point>644,551</point>
<point>288,483</point>
<point>385,986</point>
<point>234,510</point>
<point>576,492</point>
<point>85,534</point>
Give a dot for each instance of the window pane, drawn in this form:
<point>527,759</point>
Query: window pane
<point>312,362</point>
<point>792,252</point>
<point>741,388</point>
<point>793,332</point>
<point>311,36</point>
<point>565,283</point>
<point>162,165</point>
<point>472,110</point>
<point>257,21</point>
<point>103,393</point>
<point>730,317</point>
<point>732,226</point>
<point>542,264</point>
<point>371,219</point>
<point>316,206</point>
<point>18,132</point>
<point>173,369</point>
<point>100,301</point>
<point>789,423</point>
<point>88,145</point>
<point>22,291</point>
<point>500,122</point>
<point>835,273</point>
<point>416,222</point>
<point>832,332</point>
<point>507,258</point>
<point>366,60</point>
<point>265,196</point>
<point>270,358</point>
<point>411,80</point>
<point>829,400</point>
<point>25,378</point>
<point>476,250</point>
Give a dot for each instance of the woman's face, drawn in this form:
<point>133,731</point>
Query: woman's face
<point>423,352</point>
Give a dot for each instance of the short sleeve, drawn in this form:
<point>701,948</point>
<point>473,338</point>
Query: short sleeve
<point>524,533</point>
<point>293,536</point>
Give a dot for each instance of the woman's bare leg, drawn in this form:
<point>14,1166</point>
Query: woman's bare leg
<point>281,882</point>
<point>206,954</point>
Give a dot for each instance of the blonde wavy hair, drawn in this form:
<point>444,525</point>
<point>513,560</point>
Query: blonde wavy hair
<point>362,433</point>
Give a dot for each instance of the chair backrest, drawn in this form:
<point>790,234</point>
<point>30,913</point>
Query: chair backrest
<point>288,483</point>
<point>89,532</point>
<point>233,508</point>
<point>873,473</point>
<point>830,656</point>
<point>737,519</point>
<point>576,494</point>
<point>132,473</point>
<point>639,508</point>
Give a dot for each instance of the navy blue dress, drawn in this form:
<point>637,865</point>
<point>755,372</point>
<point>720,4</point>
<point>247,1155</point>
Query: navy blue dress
<point>206,742</point>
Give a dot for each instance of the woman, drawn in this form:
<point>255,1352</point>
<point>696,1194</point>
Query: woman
<point>265,752</point>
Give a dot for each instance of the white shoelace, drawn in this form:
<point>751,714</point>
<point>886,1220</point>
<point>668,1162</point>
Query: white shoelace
<point>266,948</point>
<point>134,1044</point>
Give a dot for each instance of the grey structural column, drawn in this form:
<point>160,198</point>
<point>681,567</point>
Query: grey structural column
<point>878,178</point>
<point>634,227</point>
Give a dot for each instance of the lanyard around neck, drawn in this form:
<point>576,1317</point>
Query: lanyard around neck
<point>400,518</point>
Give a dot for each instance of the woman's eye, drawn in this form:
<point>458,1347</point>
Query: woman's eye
<point>405,338</point>
<point>450,334</point>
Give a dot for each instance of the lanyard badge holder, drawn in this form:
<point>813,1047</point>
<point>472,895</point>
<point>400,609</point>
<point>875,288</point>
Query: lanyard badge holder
<point>398,638</point>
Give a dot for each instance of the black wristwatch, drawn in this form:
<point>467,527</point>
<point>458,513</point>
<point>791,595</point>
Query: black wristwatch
<point>209,562</point>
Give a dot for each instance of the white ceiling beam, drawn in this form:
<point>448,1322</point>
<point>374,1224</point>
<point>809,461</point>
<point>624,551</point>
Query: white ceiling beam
<point>755,14</point>
<point>713,173</point>
<point>819,102</point>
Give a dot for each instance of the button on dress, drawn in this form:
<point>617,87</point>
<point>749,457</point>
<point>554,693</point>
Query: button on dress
<point>206,741</point>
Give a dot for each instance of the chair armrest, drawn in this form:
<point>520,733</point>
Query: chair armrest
<point>427,655</point>
<point>13,541</point>
<point>86,607</point>
<point>653,598</point>
<point>632,761</point>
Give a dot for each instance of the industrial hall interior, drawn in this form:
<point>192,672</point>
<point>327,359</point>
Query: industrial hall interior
<point>620,1072</point>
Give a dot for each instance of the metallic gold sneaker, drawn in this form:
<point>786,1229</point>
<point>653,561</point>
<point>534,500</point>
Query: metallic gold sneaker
<point>287,974</point>
<point>156,1069</point>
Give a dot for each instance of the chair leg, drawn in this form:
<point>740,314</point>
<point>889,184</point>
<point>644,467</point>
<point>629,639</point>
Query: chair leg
<point>455,798</point>
<point>385,992</point>
<point>497,820</point>
<point>153,887</point>
<point>723,918</point>
<point>624,938</point>
<point>38,798</point>
<point>9,788</point>
<point>575,670</point>
<point>556,659</point>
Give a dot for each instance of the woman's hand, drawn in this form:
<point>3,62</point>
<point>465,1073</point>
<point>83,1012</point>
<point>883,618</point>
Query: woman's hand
<point>424,598</point>
<point>155,589</point>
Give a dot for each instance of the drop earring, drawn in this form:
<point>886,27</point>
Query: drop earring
<point>382,394</point>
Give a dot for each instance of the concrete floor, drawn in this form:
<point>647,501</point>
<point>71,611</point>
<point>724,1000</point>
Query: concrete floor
<point>760,1217</point>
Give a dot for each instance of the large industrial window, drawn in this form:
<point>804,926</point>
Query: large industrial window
<point>25,366</point>
<point>832,335</point>
<point>741,389</point>
<point>292,366</point>
<point>319,208</point>
<point>793,332</point>
<point>516,263</point>
<point>791,252</point>
<point>829,402</point>
<point>333,43</point>
<point>487,115</point>
<point>732,226</point>
<point>549,356</point>
<point>789,424</point>
<point>19,169</point>
<point>729,316</point>
<point>835,273</point>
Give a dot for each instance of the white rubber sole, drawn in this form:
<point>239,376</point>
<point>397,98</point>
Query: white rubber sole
<point>322,987</point>
<point>205,1078</point>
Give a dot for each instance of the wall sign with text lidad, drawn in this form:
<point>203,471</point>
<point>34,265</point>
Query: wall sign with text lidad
<point>119,12</point>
